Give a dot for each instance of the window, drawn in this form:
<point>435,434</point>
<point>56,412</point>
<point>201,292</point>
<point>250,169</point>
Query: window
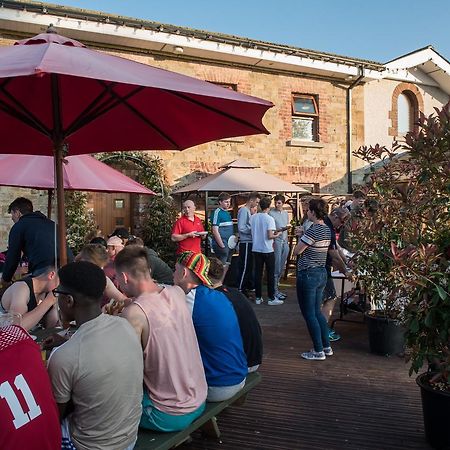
<point>405,114</point>
<point>305,118</point>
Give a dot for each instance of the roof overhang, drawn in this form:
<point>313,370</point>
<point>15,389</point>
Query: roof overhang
<point>424,66</point>
<point>99,29</point>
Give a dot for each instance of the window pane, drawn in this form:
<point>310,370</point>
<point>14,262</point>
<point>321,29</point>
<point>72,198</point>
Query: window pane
<point>303,128</point>
<point>304,106</point>
<point>404,114</point>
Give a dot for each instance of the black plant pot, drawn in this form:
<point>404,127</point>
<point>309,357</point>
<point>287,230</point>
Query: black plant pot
<point>436,414</point>
<point>386,336</point>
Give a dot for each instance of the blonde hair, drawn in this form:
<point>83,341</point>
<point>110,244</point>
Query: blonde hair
<point>94,253</point>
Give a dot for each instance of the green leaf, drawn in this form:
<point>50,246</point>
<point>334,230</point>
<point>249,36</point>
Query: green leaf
<point>429,319</point>
<point>441,292</point>
<point>414,326</point>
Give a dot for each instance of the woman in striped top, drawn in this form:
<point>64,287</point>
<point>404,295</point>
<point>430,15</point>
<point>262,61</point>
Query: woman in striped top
<point>312,277</point>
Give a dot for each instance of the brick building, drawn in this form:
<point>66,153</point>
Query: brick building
<point>325,105</point>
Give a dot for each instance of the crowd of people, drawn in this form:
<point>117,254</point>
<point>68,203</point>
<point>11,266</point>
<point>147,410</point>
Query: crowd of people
<point>153,344</point>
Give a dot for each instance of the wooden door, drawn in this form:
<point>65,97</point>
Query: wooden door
<point>111,210</point>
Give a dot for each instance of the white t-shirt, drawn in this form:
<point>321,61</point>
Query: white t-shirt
<point>101,369</point>
<point>261,223</point>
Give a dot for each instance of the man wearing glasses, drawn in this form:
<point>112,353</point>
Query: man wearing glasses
<point>97,374</point>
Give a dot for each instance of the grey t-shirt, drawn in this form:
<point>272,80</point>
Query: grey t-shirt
<point>281,220</point>
<point>101,369</point>
<point>244,227</point>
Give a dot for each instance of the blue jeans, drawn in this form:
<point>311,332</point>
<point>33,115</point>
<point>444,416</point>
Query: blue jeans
<point>310,286</point>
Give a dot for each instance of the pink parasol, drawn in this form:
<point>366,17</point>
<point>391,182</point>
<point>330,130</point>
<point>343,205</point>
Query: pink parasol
<point>59,98</point>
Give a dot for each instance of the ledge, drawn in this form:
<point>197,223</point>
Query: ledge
<point>232,139</point>
<point>299,143</point>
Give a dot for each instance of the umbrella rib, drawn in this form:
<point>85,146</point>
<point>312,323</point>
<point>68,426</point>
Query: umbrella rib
<point>90,113</point>
<point>18,111</point>
<point>122,100</point>
<point>216,110</point>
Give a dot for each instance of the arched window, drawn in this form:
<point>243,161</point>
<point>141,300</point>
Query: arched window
<point>405,113</point>
<point>407,102</point>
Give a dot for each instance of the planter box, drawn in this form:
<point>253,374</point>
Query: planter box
<point>386,336</point>
<point>436,413</point>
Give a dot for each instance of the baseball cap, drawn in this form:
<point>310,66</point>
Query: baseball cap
<point>115,241</point>
<point>198,263</point>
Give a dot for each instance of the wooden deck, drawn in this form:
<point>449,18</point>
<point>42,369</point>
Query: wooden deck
<point>353,400</point>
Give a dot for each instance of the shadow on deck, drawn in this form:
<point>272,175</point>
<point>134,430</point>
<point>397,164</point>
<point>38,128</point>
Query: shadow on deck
<point>353,400</point>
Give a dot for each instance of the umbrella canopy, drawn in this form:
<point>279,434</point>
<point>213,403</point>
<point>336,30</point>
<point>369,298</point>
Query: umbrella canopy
<point>80,173</point>
<point>241,176</point>
<point>58,97</point>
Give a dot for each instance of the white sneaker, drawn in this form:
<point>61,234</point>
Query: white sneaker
<point>312,355</point>
<point>275,302</point>
<point>328,351</point>
<point>280,296</point>
<point>259,300</point>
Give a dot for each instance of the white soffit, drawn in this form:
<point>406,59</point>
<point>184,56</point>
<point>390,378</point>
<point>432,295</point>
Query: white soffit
<point>112,34</point>
<point>425,66</point>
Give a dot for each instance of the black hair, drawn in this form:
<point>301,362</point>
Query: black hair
<point>98,240</point>
<point>121,232</point>
<point>279,197</point>
<point>21,204</point>
<point>265,202</point>
<point>358,194</point>
<point>319,207</point>
<point>83,277</point>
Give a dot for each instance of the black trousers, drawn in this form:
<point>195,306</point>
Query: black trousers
<point>267,259</point>
<point>245,280</point>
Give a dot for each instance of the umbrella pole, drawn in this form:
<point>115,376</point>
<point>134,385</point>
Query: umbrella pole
<point>49,203</point>
<point>206,224</point>
<point>59,148</point>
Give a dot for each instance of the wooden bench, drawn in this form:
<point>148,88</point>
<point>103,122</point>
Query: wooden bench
<point>149,440</point>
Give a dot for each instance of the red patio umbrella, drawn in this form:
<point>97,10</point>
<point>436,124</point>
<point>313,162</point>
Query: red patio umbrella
<point>80,173</point>
<point>58,98</point>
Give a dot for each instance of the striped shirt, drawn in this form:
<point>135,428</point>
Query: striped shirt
<point>317,238</point>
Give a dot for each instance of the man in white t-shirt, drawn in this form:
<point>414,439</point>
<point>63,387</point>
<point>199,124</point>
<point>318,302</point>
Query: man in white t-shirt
<point>97,374</point>
<point>263,234</point>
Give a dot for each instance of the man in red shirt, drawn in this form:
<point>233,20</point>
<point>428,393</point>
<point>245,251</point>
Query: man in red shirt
<point>187,229</point>
<point>28,414</point>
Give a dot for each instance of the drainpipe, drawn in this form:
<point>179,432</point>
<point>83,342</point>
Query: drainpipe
<point>349,128</point>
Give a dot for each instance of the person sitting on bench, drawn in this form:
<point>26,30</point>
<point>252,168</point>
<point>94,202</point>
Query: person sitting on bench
<point>174,380</point>
<point>217,328</point>
<point>32,298</point>
<point>248,322</point>
<point>97,374</point>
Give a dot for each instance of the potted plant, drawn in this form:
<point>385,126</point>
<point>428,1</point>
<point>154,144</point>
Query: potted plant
<point>413,191</point>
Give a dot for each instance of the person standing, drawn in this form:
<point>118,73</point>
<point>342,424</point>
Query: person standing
<point>186,228</point>
<point>263,233</point>
<point>246,283</point>
<point>312,248</point>
<point>32,234</point>
<point>280,244</point>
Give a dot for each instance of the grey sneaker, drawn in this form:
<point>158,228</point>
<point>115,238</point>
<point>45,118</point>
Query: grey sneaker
<point>280,295</point>
<point>312,355</point>
<point>275,302</point>
<point>259,300</point>
<point>328,351</point>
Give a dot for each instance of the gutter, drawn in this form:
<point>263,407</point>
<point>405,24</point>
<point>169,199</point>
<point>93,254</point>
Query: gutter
<point>349,128</point>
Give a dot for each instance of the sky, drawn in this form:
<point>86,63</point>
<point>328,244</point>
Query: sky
<point>377,30</point>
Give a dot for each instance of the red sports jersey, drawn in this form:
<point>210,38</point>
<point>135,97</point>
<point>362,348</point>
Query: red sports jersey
<point>28,413</point>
